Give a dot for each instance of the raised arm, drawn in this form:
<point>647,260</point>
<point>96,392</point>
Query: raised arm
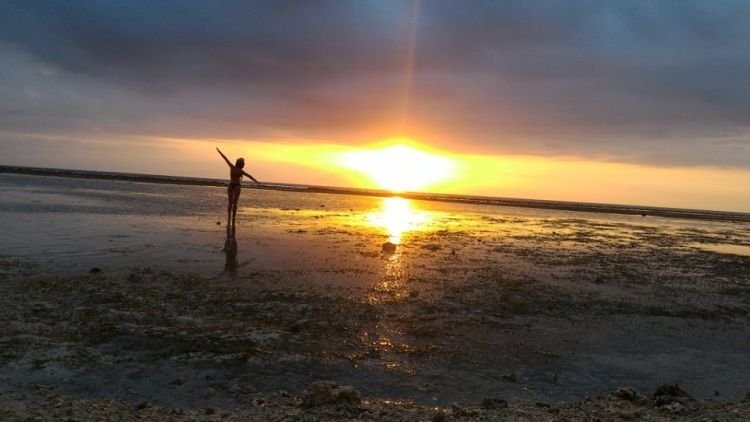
<point>251,177</point>
<point>224,157</point>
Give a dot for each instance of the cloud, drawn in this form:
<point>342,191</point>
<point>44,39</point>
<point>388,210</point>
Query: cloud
<point>644,82</point>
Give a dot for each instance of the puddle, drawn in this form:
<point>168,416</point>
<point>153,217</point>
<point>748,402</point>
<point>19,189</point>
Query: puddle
<point>724,248</point>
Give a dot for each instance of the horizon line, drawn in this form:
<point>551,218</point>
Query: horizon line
<point>595,207</point>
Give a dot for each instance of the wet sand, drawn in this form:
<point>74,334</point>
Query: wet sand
<point>474,303</point>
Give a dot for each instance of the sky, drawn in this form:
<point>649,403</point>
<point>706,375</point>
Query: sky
<point>640,102</point>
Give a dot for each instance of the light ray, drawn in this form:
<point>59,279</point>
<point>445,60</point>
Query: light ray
<point>409,71</point>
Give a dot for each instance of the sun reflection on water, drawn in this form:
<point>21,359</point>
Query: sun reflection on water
<point>397,217</point>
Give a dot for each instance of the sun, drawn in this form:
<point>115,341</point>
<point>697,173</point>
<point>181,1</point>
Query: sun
<point>399,166</point>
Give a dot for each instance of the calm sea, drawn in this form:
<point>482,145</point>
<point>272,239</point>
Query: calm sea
<point>71,225</point>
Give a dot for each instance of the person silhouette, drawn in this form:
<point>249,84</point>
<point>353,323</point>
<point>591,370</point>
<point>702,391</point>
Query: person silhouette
<point>235,187</point>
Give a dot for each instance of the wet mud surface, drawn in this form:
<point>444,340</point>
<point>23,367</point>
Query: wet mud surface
<point>472,303</point>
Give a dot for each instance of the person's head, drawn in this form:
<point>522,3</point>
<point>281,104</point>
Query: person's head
<point>240,163</point>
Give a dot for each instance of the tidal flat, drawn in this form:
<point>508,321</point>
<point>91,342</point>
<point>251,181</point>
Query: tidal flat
<point>124,300</point>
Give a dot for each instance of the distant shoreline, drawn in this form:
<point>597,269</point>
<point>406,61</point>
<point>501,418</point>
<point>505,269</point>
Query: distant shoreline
<point>467,199</point>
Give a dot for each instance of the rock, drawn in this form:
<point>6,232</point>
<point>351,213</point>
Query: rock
<point>629,414</point>
<point>95,270</point>
<point>210,410</point>
<point>348,393</point>
<point>675,407</point>
<point>178,381</point>
<point>389,247</point>
<point>493,404</point>
<point>326,392</point>
<point>460,411</point>
<point>299,325</point>
<point>670,390</point>
<point>625,393</point>
<point>142,405</point>
<point>510,377</point>
<point>669,393</point>
<point>439,417</point>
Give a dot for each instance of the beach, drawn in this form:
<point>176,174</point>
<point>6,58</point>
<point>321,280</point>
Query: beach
<point>120,299</point>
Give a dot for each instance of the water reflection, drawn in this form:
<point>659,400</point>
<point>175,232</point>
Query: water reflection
<point>392,287</point>
<point>397,217</point>
<point>723,248</point>
<point>230,250</point>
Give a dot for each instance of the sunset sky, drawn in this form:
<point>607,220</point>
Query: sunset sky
<point>638,102</point>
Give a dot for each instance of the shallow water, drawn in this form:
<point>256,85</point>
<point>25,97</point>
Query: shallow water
<point>471,292</point>
<point>74,224</point>
<point>724,248</point>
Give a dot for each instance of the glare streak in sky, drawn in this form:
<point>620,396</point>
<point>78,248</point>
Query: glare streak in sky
<point>409,71</point>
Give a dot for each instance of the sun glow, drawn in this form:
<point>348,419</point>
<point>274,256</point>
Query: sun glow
<point>397,217</point>
<point>399,167</point>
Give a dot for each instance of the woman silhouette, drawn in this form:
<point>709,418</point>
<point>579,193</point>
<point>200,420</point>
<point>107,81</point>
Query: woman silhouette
<point>235,187</point>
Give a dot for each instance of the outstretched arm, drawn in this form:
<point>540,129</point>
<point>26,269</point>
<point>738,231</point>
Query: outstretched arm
<point>248,175</point>
<point>224,157</point>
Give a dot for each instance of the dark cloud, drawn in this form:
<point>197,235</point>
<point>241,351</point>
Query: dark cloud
<point>647,82</point>
<point>164,45</point>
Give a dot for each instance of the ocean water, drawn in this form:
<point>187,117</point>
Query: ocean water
<point>71,225</point>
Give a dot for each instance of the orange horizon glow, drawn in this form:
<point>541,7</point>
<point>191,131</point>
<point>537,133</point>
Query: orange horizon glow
<point>563,178</point>
<point>399,166</point>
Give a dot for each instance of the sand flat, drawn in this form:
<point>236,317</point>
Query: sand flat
<point>475,301</point>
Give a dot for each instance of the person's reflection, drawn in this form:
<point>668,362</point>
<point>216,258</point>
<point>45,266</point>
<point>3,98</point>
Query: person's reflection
<point>230,250</point>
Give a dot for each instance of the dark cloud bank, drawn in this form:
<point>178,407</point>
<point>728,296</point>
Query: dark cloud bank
<point>647,82</point>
